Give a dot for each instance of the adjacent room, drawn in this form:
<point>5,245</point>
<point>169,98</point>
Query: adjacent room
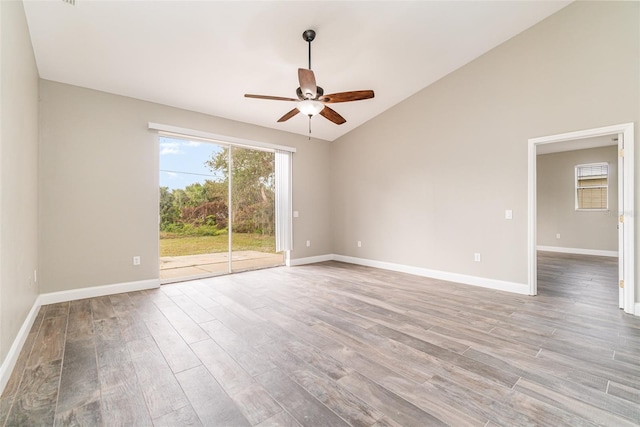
<point>364,213</point>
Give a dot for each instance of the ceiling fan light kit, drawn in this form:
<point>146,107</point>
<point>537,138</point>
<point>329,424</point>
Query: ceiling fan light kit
<point>311,98</point>
<point>309,107</point>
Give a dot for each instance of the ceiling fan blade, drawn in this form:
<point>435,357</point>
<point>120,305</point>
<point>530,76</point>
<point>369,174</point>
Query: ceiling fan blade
<point>307,83</point>
<point>273,98</point>
<point>288,115</point>
<point>331,115</point>
<point>354,95</point>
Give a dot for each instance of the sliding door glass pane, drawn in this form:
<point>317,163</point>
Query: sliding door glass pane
<point>253,210</point>
<point>193,210</point>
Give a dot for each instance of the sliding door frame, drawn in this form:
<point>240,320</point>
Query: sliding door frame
<point>230,142</point>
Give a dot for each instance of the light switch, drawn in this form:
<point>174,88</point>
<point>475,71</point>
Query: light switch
<point>508,214</point>
<point>296,214</point>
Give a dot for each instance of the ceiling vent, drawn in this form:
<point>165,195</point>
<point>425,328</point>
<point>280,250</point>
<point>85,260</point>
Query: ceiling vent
<point>71,2</point>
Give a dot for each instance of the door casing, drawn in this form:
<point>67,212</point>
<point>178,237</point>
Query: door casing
<point>626,239</point>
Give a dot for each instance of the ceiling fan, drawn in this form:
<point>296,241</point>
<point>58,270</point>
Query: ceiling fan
<point>311,99</point>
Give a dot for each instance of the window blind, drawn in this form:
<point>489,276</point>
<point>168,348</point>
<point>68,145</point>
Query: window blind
<point>592,185</point>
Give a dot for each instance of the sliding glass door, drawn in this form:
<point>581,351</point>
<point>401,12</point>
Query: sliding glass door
<point>217,209</point>
<point>253,224</point>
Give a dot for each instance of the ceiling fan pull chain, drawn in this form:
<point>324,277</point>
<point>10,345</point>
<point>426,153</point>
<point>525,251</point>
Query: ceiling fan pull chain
<point>309,128</point>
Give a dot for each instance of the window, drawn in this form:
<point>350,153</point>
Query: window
<point>592,186</point>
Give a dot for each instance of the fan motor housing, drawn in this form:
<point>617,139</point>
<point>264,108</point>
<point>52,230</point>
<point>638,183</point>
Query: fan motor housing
<point>301,97</point>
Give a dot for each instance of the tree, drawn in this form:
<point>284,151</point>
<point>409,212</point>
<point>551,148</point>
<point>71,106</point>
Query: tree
<point>253,187</point>
<point>169,212</point>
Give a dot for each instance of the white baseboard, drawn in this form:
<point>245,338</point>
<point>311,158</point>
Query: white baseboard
<point>97,291</point>
<point>500,285</point>
<point>578,251</point>
<point>310,260</point>
<point>10,360</point>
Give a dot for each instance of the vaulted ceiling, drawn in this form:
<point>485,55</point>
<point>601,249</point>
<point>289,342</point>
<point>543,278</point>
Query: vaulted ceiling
<point>205,55</point>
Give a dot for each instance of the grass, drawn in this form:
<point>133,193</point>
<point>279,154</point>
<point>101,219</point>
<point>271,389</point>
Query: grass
<point>172,244</point>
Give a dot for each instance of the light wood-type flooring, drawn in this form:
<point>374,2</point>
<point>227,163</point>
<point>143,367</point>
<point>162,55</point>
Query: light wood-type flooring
<point>334,344</point>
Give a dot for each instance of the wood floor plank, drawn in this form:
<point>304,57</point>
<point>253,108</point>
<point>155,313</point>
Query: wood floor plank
<point>184,324</point>
<point>256,404</point>
<point>192,309</point>
<point>49,344</point>
<point>101,308</point>
<point>177,352</point>
<point>281,419</point>
<point>158,384</point>
<point>612,370</point>
<point>183,417</point>
<point>250,331</point>
<point>114,362</point>
<point>423,396</point>
<point>340,401</point>
<point>124,405</point>
<point>305,408</point>
<point>382,350</point>
<point>79,382</point>
<point>227,372</point>
<point>319,360</point>
<point>213,406</point>
<point>389,403</point>
<point>80,324</point>
<point>575,406</point>
<point>194,291</point>
<point>35,401</point>
<point>122,399</point>
<point>462,361</point>
<point>132,326</point>
<point>632,394</point>
<point>57,310</point>
<point>240,350</point>
<point>501,411</point>
<point>5,407</point>
<point>16,375</point>
<point>121,303</point>
<point>88,415</point>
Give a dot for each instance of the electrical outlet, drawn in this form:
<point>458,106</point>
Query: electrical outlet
<point>476,257</point>
<point>136,260</point>
<point>359,244</point>
<point>508,214</point>
<point>558,236</point>
<point>308,243</point>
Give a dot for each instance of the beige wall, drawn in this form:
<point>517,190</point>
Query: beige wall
<point>427,182</point>
<point>595,230</point>
<point>18,172</point>
<point>99,185</point>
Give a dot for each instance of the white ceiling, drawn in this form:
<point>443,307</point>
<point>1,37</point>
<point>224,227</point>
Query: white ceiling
<point>205,55</point>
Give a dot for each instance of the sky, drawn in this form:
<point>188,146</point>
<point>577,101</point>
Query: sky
<point>182,162</point>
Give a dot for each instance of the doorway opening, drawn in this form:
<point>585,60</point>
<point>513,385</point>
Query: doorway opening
<point>217,209</point>
<point>623,135</point>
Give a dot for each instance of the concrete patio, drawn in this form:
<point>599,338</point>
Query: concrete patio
<point>178,267</point>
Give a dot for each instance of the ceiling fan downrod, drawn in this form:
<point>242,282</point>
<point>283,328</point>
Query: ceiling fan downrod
<point>308,36</point>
